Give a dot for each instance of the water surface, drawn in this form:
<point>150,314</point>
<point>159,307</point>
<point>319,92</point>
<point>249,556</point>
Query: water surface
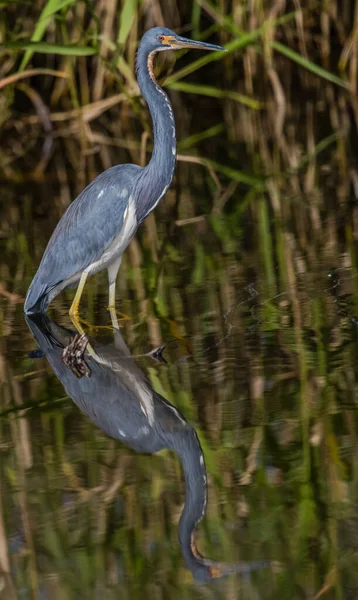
<point>258,317</point>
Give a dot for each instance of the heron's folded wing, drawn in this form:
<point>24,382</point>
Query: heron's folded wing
<point>88,226</point>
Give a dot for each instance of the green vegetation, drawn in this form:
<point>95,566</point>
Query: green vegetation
<point>249,265</point>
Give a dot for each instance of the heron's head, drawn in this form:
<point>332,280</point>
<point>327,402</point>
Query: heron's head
<point>158,39</point>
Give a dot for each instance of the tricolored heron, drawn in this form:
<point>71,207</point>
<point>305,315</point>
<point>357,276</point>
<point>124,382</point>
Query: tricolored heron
<point>99,224</point>
<point>118,398</point>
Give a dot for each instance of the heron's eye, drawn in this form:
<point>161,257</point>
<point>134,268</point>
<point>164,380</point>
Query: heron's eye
<point>160,38</point>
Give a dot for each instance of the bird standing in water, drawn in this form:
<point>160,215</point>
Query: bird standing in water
<point>98,226</point>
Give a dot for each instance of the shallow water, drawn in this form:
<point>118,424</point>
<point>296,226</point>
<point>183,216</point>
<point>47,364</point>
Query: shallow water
<point>258,318</point>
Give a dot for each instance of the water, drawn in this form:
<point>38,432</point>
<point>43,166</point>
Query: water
<point>258,317</point>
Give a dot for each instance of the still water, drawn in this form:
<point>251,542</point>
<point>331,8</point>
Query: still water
<point>246,324</point>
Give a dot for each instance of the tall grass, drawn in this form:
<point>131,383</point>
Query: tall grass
<point>62,33</point>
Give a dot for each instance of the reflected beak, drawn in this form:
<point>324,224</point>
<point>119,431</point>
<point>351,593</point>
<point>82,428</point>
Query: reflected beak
<point>182,42</point>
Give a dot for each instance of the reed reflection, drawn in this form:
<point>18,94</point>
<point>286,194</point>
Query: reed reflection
<point>114,393</point>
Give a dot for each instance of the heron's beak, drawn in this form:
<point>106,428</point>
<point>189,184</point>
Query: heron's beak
<point>181,42</point>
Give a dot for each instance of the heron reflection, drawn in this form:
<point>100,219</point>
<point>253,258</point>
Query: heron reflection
<point>113,392</point>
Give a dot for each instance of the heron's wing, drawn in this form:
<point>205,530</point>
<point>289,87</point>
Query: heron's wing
<point>88,226</point>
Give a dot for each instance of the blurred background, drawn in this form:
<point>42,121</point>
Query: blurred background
<point>247,271</point>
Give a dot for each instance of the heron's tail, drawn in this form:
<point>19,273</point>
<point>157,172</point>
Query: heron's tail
<point>36,300</point>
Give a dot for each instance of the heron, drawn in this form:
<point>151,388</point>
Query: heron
<point>99,224</point>
<point>113,392</point>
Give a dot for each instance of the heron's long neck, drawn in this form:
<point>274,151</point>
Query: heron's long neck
<point>158,174</point>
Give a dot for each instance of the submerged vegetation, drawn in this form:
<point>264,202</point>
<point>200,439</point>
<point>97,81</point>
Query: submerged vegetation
<point>247,270</point>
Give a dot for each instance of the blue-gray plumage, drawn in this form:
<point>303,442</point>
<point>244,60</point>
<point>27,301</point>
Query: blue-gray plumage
<point>97,227</point>
<point>118,398</point>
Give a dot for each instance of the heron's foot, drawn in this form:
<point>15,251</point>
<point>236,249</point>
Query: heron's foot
<point>80,324</point>
<point>120,315</point>
<point>94,328</point>
<point>117,316</point>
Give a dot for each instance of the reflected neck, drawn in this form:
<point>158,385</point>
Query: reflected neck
<point>158,174</point>
<point>187,446</point>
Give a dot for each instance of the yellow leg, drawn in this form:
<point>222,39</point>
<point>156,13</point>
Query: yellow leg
<point>76,301</point>
<point>80,330</point>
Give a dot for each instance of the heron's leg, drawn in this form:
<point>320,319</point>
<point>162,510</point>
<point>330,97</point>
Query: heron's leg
<point>76,301</point>
<point>81,331</point>
<point>114,318</point>
<point>112,276</point>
